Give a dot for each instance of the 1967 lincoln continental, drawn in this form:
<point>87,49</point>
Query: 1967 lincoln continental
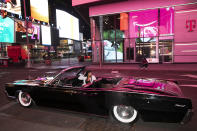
<point>124,98</point>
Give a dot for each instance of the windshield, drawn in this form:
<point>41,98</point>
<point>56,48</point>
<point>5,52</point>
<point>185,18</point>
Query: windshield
<point>70,73</point>
<point>66,74</point>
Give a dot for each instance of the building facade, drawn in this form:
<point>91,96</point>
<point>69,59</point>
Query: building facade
<point>126,31</point>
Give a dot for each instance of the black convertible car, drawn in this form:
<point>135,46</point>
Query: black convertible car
<point>124,98</point>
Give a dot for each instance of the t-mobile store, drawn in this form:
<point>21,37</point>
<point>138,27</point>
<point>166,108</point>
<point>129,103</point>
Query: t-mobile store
<point>128,30</point>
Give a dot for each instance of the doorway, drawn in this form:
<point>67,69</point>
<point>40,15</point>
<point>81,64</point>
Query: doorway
<point>148,48</point>
<point>165,51</point>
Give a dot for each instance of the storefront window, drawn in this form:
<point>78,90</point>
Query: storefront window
<point>144,28</point>
<point>128,37</point>
<point>143,23</point>
<point>166,22</point>
<point>165,49</point>
<point>166,32</point>
<point>113,52</point>
<point>113,38</point>
<point>109,27</point>
<point>146,47</point>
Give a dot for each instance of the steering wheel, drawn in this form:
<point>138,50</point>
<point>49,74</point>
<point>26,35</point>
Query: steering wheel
<point>56,82</point>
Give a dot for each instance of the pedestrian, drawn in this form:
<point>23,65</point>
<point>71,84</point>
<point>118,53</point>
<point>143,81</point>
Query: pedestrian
<point>60,56</point>
<point>19,59</point>
<point>44,57</point>
<point>144,63</point>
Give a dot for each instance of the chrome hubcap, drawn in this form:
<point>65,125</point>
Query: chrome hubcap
<point>25,98</point>
<point>125,112</point>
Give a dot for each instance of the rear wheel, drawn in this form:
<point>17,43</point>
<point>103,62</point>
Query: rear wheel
<point>125,114</point>
<point>24,99</point>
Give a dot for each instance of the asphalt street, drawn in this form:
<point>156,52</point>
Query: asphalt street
<point>13,116</point>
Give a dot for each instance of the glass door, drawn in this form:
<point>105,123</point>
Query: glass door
<point>165,51</point>
<point>147,47</point>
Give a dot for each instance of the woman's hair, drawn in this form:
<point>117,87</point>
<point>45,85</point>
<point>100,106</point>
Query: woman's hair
<point>86,74</point>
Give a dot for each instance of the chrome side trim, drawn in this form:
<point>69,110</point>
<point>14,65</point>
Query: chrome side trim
<point>179,105</point>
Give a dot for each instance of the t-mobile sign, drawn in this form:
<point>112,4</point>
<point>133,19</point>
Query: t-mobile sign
<point>186,25</point>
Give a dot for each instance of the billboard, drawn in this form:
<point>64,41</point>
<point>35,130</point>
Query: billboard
<point>46,35</point>
<point>13,6</point>
<point>33,32</point>
<point>68,25</point>
<point>6,30</point>
<point>40,10</point>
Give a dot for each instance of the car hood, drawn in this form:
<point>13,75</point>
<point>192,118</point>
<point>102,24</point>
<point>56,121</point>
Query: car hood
<point>155,85</point>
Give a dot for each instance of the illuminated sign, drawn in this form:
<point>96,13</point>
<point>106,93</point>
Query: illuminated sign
<point>143,23</point>
<point>147,23</point>
<point>190,25</point>
<point>6,30</point>
<point>46,35</point>
<point>33,31</point>
<point>39,10</point>
<point>68,25</point>
<point>13,6</point>
<point>124,20</point>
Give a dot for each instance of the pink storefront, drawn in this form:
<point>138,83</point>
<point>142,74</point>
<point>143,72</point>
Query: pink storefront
<point>125,31</point>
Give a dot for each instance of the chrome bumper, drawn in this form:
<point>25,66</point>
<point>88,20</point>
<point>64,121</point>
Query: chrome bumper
<point>13,97</point>
<point>187,116</point>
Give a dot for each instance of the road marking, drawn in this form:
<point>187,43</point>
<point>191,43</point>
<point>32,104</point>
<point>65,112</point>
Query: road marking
<point>190,75</point>
<point>33,70</point>
<point>7,106</point>
<point>2,73</point>
<point>189,85</point>
<point>5,115</point>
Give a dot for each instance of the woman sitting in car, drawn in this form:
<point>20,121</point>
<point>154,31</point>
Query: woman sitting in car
<point>87,78</point>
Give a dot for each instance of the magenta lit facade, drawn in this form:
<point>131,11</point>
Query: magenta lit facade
<point>80,2</point>
<point>163,31</point>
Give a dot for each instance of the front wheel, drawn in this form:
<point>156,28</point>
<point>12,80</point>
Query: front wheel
<point>24,99</point>
<point>125,114</point>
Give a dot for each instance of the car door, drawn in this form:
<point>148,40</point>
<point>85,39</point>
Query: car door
<point>56,95</point>
<point>53,95</point>
<point>60,91</point>
<point>92,100</point>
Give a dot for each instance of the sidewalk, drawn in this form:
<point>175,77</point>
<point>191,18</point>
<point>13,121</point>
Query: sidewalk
<point>151,67</point>
<point>65,63</point>
<point>57,64</point>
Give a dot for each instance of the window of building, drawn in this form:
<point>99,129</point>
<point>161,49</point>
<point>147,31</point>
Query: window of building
<point>128,37</point>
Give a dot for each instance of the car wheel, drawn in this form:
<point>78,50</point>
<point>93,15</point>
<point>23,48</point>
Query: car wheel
<point>24,99</point>
<point>125,114</point>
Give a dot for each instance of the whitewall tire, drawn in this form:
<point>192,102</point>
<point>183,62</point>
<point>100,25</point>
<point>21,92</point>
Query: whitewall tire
<point>125,114</point>
<point>24,99</point>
